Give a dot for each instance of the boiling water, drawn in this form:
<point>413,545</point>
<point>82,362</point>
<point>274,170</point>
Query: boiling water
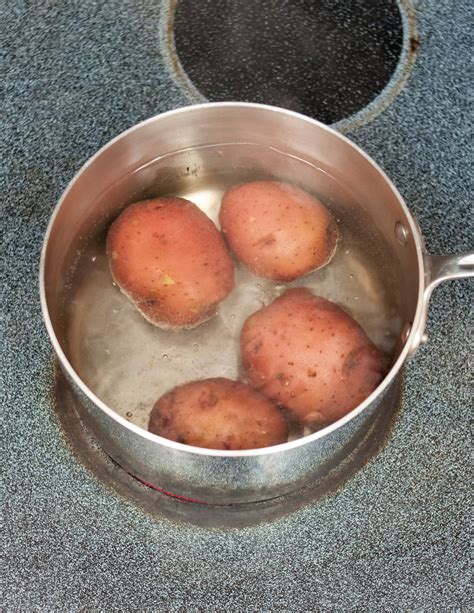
<point>129,364</point>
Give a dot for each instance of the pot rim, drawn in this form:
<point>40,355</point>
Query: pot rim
<point>181,447</point>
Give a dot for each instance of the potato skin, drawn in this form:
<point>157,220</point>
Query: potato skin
<point>310,356</point>
<point>276,229</point>
<point>218,414</point>
<point>168,257</point>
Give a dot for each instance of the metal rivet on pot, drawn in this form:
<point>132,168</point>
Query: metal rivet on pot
<point>401,233</point>
<point>406,331</point>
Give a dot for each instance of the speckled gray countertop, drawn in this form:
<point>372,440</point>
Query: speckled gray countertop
<point>397,536</point>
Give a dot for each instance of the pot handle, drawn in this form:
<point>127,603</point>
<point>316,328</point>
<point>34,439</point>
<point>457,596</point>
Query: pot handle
<point>439,268</point>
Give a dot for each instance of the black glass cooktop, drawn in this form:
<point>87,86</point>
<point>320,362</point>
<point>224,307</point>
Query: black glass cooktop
<point>324,58</point>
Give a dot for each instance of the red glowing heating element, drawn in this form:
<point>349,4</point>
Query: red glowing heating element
<point>162,491</point>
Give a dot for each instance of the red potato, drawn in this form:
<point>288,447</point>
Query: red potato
<point>277,230</point>
<point>218,414</point>
<point>168,257</point>
<point>310,356</point>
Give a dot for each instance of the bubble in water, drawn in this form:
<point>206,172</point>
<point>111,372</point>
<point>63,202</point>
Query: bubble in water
<point>129,414</point>
<point>232,316</point>
<point>165,356</point>
<point>351,276</point>
<point>93,258</point>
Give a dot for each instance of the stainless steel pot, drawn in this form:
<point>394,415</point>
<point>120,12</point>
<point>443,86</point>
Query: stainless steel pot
<point>222,477</point>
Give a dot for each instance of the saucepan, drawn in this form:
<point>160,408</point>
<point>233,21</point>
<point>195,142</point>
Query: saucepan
<point>117,364</point>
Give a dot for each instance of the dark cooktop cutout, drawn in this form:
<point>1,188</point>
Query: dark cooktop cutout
<point>325,58</point>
